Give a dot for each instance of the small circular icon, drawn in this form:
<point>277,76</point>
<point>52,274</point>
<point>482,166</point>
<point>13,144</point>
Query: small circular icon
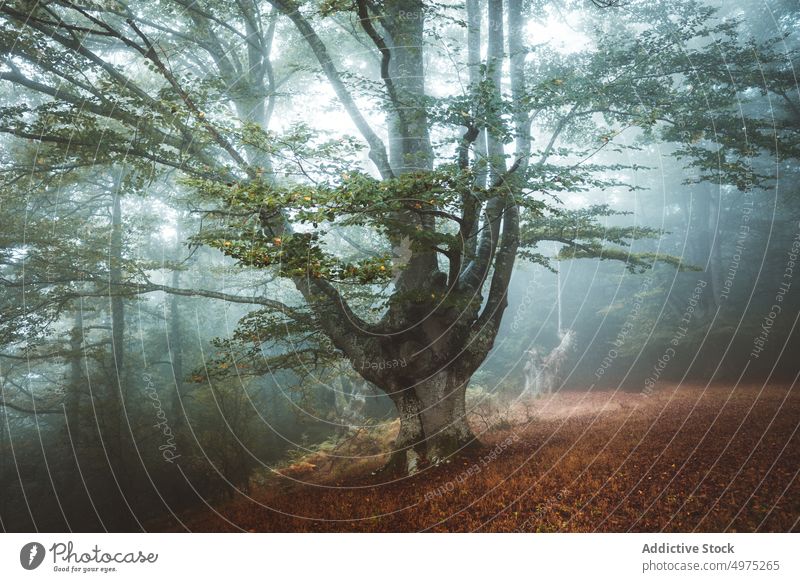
<point>31,555</point>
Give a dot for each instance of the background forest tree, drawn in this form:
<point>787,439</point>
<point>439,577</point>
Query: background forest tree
<point>279,208</point>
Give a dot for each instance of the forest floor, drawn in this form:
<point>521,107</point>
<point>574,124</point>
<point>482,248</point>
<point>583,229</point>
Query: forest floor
<point>686,458</point>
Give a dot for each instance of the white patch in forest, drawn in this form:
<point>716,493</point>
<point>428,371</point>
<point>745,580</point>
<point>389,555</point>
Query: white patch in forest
<point>168,232</point>
<point>402,255</point>
<point>558,33</point>
<point>413,461</point>
<point>543,371</point>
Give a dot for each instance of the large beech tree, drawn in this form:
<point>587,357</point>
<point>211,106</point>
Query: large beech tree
<point>435,203</point>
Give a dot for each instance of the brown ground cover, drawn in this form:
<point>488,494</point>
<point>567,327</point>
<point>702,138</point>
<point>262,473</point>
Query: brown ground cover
<point>686,458</point>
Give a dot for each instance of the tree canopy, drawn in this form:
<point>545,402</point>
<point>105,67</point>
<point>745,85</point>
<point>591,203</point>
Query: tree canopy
<point>376,168</point>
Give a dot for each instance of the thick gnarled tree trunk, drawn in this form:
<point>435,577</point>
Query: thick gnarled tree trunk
<point>433,422</point>
<point>443,342</point>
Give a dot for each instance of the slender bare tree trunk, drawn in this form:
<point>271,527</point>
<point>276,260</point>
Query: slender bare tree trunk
<point>176,346</point>
<point>117,389</point>
<point>75,380</point>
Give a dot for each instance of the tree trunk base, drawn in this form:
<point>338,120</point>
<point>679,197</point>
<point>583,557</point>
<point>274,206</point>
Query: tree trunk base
<point>409,461</point>
<point>433,423</point>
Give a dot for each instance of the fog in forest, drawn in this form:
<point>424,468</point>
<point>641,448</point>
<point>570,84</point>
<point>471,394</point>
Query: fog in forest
<point>264,248</point>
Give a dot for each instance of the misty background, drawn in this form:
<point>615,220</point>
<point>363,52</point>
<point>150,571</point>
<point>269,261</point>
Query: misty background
<point>202,417</point>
